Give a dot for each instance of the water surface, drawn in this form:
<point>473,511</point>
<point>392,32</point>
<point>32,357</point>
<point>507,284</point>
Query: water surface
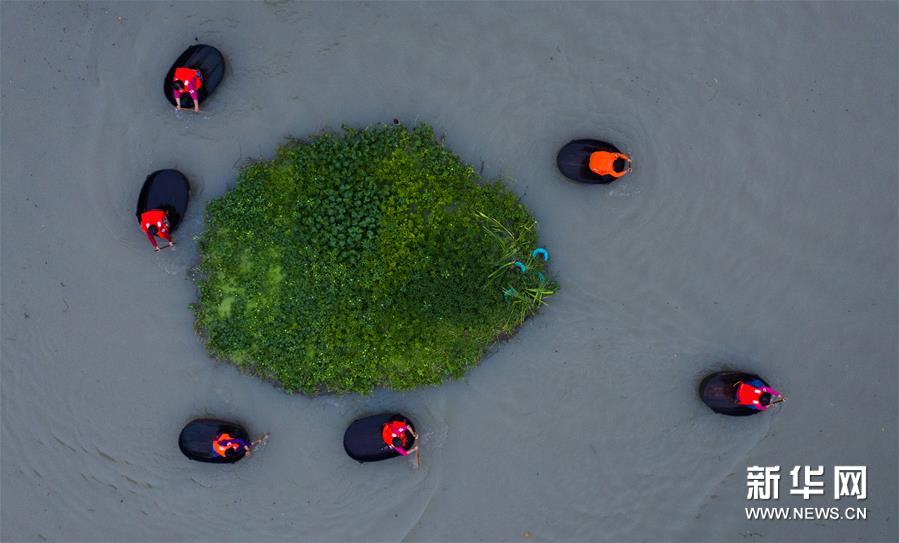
<point>758,230</point>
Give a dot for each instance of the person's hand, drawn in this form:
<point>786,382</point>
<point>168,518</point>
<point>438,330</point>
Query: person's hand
<point>178,106</point>
<point>156,249</point>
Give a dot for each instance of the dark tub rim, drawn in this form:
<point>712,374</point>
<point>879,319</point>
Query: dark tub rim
<point>195,440</point>
<point>168,190</point>
<point>362,438</point>
<point>573,161</point>
<point>724,404</point>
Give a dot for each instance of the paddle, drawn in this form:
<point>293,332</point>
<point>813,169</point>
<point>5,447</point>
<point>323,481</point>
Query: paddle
<point>417,447</point>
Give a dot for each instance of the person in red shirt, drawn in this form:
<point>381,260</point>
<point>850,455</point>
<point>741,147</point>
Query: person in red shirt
<point>187,80</point>
<point>757,395</point>
<point>156,223</point>
<point>396,435</point>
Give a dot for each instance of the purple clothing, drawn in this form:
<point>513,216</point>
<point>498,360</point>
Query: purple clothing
<point>770,391</point>
<point>236,441</point>
<point>176,94</point>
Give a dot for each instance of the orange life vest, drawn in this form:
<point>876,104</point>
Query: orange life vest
<point>157,218</point>
<point>603,163</point>
<point>223,443</point>
<point>189,76</point>
<point>394,429</point>
<point>749,395</point>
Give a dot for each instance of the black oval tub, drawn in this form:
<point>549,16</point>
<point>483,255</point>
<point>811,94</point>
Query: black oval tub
<point>573,161</point>
<point>362,440</point>
<point>211,64</point>
<point>196,439</point>
<point>167,190</point>
<point>719,393</point>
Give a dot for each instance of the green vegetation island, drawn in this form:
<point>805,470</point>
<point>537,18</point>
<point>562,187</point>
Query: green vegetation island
<point>370,258</point>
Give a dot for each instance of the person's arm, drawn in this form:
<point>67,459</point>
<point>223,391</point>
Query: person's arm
<point>168,229</point>
<point>771,391</point>
<point>177,96</point>
<point>152,240</point>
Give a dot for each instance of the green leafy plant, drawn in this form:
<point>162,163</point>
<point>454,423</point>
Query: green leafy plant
<point>371,258</point>
<point>521,266</point>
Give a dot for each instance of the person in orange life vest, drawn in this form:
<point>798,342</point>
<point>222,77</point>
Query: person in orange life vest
<point>396,434</point>
<point>755,394</point>
<point>609,163</point>
<point>224,445</point>
<point>155,223</point>
<point>187,80</point>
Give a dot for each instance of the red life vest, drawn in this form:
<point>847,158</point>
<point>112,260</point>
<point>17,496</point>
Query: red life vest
<point>189,76</point>
<point>749,395</point>
<point>224,442</point>
<point>157,218</point>
<point>394,429</point>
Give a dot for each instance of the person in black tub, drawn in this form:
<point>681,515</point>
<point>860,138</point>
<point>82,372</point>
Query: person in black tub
<point>593,161</point>
<point>194,76</point>
<point>737,393</point>
<point>379,437</point>
<point>216,441</point>
<point>162,204</point>
<point>230,447</point>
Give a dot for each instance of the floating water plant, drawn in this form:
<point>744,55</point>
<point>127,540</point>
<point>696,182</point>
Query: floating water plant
<point>371,258</point>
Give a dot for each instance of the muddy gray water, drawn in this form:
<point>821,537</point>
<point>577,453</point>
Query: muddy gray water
<point>758,230</point>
